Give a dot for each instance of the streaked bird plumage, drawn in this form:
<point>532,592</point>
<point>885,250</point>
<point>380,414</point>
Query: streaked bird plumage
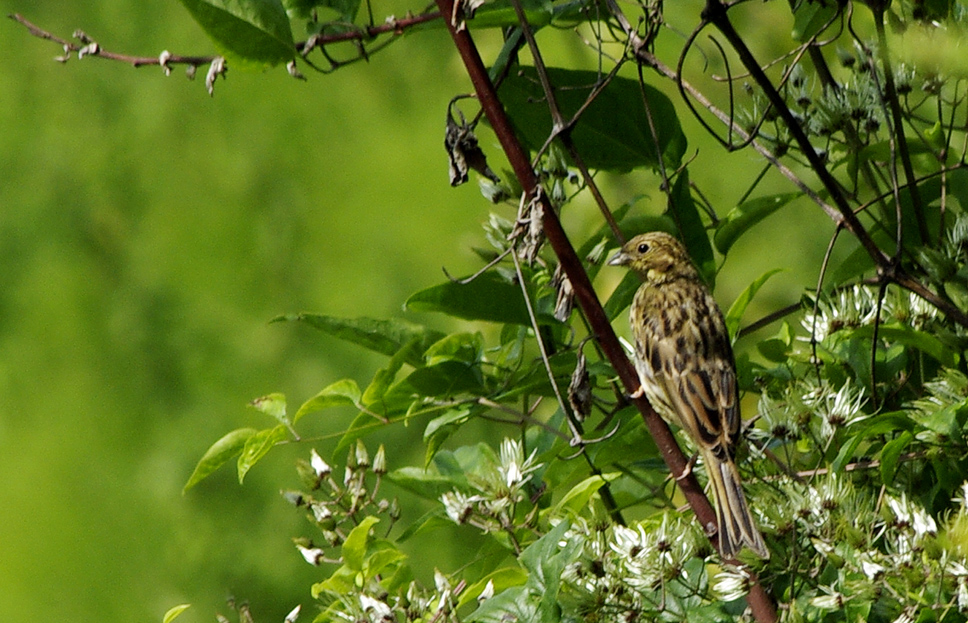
<point>685,364</point>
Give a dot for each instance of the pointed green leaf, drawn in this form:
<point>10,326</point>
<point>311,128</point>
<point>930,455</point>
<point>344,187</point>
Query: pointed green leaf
<point>447,378</point>
<point>273,405</point>
<point>220,453</point>
<point>173,613</point>
<point>354,547</point>
<point>383,336</point>
<point>606,140</point>
<point>440,428</point>
<point>890,454</point>
<point>383,379</point>
<point>501,580</point>
<point>622,295</point>
<point>465,347</point>
<point>427,483</point>
<point>684,212</point>
<point>252,31</point>
<point>383,559</point>
<point>810,17</point>
<point>868,429</point>
<point>736,310</point>
<point>257,446</point>
<point>744,216</point>
<point>341,582</point>
<point>925,342</point>
<point>578,496</point>
<point>346,10</point>
<point>487,297</point>
<point>341,393</point>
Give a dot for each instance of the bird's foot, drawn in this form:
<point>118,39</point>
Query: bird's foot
<point>637,393</point>
<point>687,471</point>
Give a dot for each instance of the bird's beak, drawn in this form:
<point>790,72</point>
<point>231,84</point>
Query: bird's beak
<point>619,259</point>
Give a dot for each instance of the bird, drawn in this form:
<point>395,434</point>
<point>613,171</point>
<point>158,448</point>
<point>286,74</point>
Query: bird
<point>685,365</point>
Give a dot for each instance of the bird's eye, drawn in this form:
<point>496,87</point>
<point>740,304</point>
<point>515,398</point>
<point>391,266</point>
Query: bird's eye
<point>643,248</point>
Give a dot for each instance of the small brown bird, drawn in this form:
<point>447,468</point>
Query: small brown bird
<point>686,368</point>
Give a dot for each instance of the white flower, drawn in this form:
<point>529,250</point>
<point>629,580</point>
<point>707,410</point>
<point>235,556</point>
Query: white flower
<point>630,544</point>
<point>732,583</point>
<point>962,594</point>
<point>459,506</point>
<point>487,593</point>
<point>514,467</point>
<point>313,555</point>
<point>870,568</point>
<point>915,517</point>
<point>906,616</point>
<point>830,600</point>
<point>375,609</point>
<point>319,466</point>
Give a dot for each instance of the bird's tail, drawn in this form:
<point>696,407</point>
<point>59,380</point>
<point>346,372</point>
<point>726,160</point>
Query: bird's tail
<point>736,526</point>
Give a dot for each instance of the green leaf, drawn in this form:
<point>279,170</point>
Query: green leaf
<point>341,582</point>
<point>744,216</point>
<point>273,405</point>
<point>465,347</point>
<point>947,421</point>
<point>386,337</point>
<point>427,483</point>
<point>925,342</point>
<point>343,393</point>
<point>173,613</point>
<point>346,10</point>
<point>546,559</point>
<point>872,427</point>
<point>447,378</point>
<point>683,211</point>
<point>220,453</point>
<point>257,446</point>
<point>383,558</point>
<point>890,454</point>
<point>605,139</point>
<point>855,264</point>
<point>810,17</point>
<point>736,310</point>
<point>253,31</point>
<point>623,294</point>
<point>487,297</point>
<point>514,604</point>
<point>354,547</point>
<point>384,377</point>
<point>500,14</point>
<point>442,427</point>
<point>576,500</point>
<point>501,579</point>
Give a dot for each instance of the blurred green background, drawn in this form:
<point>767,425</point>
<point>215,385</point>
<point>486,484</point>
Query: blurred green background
<point>148,232</point>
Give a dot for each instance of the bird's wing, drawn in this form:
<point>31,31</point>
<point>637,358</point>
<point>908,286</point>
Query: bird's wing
<point>698,382</point>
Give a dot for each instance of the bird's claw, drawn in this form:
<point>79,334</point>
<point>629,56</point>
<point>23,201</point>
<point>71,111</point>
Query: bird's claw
<point>687,470</point>
<point>637,393</point>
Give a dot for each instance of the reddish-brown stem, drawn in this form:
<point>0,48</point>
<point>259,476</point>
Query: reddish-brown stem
<point>392,26</point>
<point>759,601</point>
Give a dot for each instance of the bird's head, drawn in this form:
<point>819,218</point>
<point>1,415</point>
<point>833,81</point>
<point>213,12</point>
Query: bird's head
<point>657,256</point>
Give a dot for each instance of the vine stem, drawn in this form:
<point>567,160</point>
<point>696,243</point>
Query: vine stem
<point>759,601</point>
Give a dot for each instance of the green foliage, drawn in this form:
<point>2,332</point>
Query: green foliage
<point>856,465</point>
<point>249,31</point>
<point>606,140</point>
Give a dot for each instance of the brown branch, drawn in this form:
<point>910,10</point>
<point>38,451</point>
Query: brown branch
<point>759,601</point>
<point>134,61</point>
<point>392,26</point>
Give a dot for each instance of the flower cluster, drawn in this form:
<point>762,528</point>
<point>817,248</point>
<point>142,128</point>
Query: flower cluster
<point>498,486</point>
<point>337,507</point>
